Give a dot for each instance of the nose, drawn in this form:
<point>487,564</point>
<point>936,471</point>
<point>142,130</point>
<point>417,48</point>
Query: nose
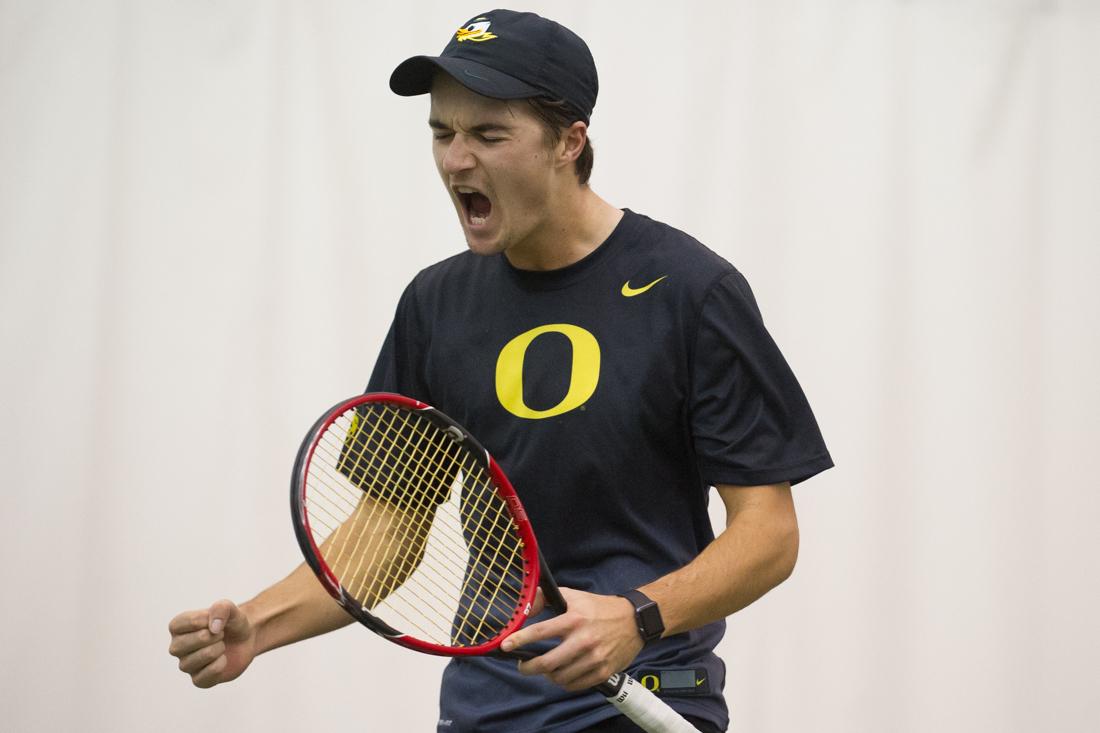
<point>458,156</point>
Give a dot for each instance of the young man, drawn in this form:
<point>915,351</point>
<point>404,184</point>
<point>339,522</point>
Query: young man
<point>614,366</point>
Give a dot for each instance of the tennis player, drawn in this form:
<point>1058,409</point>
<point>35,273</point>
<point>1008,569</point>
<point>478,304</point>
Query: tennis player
<point>616,368</point>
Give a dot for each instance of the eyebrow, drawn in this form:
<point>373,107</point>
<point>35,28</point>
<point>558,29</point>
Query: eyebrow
<point>479,129</point>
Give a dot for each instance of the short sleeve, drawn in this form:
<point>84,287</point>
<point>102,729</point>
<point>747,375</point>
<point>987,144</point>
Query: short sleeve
<point>400,364</point>
<point>751,422</point>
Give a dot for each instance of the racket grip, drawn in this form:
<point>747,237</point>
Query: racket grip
<point>649,712</point>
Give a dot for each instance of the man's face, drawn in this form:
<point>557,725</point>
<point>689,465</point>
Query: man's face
<point>495,162</point>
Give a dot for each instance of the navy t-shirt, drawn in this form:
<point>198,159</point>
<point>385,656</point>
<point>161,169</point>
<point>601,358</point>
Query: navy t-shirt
<point>614,392</point>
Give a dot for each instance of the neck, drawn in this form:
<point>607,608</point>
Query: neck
<point>579,221</point>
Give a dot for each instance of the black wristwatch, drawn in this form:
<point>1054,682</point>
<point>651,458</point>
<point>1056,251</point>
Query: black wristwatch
<point>646,615</point>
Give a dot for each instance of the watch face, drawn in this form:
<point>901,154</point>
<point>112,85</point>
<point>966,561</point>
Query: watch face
<point>649,618</point>
<point>646,614</point>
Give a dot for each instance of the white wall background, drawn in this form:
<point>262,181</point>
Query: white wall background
<point>208,209</point>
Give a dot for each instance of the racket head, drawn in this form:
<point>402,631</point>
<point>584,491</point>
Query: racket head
<point>472,578</point>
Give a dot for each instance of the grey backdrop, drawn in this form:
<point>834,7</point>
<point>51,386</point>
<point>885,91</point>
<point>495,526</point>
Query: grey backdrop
<point>208,210</point>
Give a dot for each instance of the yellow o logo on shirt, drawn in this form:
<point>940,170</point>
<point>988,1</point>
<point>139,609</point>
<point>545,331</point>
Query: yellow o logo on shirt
<point>582,381</point>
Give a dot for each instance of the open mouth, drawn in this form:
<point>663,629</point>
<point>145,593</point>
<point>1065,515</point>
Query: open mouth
<point>475,204</point>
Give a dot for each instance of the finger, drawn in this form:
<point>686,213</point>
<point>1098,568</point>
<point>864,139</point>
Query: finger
<point>563,655</point>
<point>189,621</point>
<point>549,629</point>
<point>196,661</point>
<point>224,613</point>
<point>210,675</point>
<point>184,644</point>
<point>581,675</point>
<point>569,594</point>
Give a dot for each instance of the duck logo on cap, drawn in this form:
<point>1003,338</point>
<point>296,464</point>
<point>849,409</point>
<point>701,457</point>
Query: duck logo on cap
<point>476,30</point>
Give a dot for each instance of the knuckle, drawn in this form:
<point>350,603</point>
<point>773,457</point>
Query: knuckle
<point>179,623</point>
<point>208,675</point>
<point>204,656</point>
<point>181,647</point>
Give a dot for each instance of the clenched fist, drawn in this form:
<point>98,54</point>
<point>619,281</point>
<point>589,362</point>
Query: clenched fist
<point>213,645</point>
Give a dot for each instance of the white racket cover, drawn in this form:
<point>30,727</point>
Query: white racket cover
<point>647,710</point>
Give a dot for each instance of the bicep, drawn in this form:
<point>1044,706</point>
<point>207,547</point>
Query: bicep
<point>769,503</point>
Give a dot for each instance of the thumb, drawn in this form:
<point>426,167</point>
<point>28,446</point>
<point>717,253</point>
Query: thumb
<point>225,614</point>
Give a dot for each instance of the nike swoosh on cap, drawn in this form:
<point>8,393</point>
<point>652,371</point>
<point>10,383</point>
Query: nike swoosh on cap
<point>630,292</point>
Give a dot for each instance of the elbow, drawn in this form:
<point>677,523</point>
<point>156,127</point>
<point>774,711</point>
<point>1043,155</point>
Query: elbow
<point>786,550</point>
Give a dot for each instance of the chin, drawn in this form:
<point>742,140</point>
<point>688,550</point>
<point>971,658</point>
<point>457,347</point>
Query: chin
<point>484,248</point>
<point>483,245</point>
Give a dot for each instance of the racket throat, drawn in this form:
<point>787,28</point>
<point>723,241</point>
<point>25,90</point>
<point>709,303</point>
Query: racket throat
<point>550,593</point>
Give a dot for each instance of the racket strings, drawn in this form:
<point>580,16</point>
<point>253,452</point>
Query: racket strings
<point>413,527</point>
<point>477,577</point>
<point>476,573</point>
<point>501,520</point>
<point>387,561</point>
<point>393,567</point>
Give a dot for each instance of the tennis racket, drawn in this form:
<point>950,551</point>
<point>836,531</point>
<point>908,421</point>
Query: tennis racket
<point>417,533</point>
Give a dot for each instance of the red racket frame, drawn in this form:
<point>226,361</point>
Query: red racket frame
<point>532,561</point>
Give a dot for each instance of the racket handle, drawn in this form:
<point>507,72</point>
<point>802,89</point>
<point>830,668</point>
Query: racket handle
<point>649,712</point>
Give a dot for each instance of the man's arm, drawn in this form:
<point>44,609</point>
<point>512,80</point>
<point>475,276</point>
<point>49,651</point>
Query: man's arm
<point>753,554</point>
<point>756,552</point>
<point>217,644</point>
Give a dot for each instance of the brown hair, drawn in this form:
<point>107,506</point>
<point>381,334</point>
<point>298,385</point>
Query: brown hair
<point>556,117</point>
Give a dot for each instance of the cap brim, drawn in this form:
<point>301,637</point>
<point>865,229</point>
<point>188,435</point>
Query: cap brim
<point>414,76</point>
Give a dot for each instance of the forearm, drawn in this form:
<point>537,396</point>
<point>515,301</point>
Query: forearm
<point>598,633</point>
<point>374,551</point>
<point>755,553</point>
<point>293,609</point>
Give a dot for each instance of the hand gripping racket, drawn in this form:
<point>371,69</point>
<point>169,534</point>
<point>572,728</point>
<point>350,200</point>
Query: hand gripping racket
<point>414,529</point>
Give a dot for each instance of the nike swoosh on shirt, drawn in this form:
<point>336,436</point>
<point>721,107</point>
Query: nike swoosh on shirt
<point>630,292</point>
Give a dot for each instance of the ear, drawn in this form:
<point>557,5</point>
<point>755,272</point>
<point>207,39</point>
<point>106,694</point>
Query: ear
<point>572,143</point>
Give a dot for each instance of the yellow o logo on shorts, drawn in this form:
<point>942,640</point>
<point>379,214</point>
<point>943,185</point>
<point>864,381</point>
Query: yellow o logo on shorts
<point>582,381</point>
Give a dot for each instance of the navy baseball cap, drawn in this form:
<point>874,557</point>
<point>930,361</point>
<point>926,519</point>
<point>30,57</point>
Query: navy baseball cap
<point>508,55</point>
